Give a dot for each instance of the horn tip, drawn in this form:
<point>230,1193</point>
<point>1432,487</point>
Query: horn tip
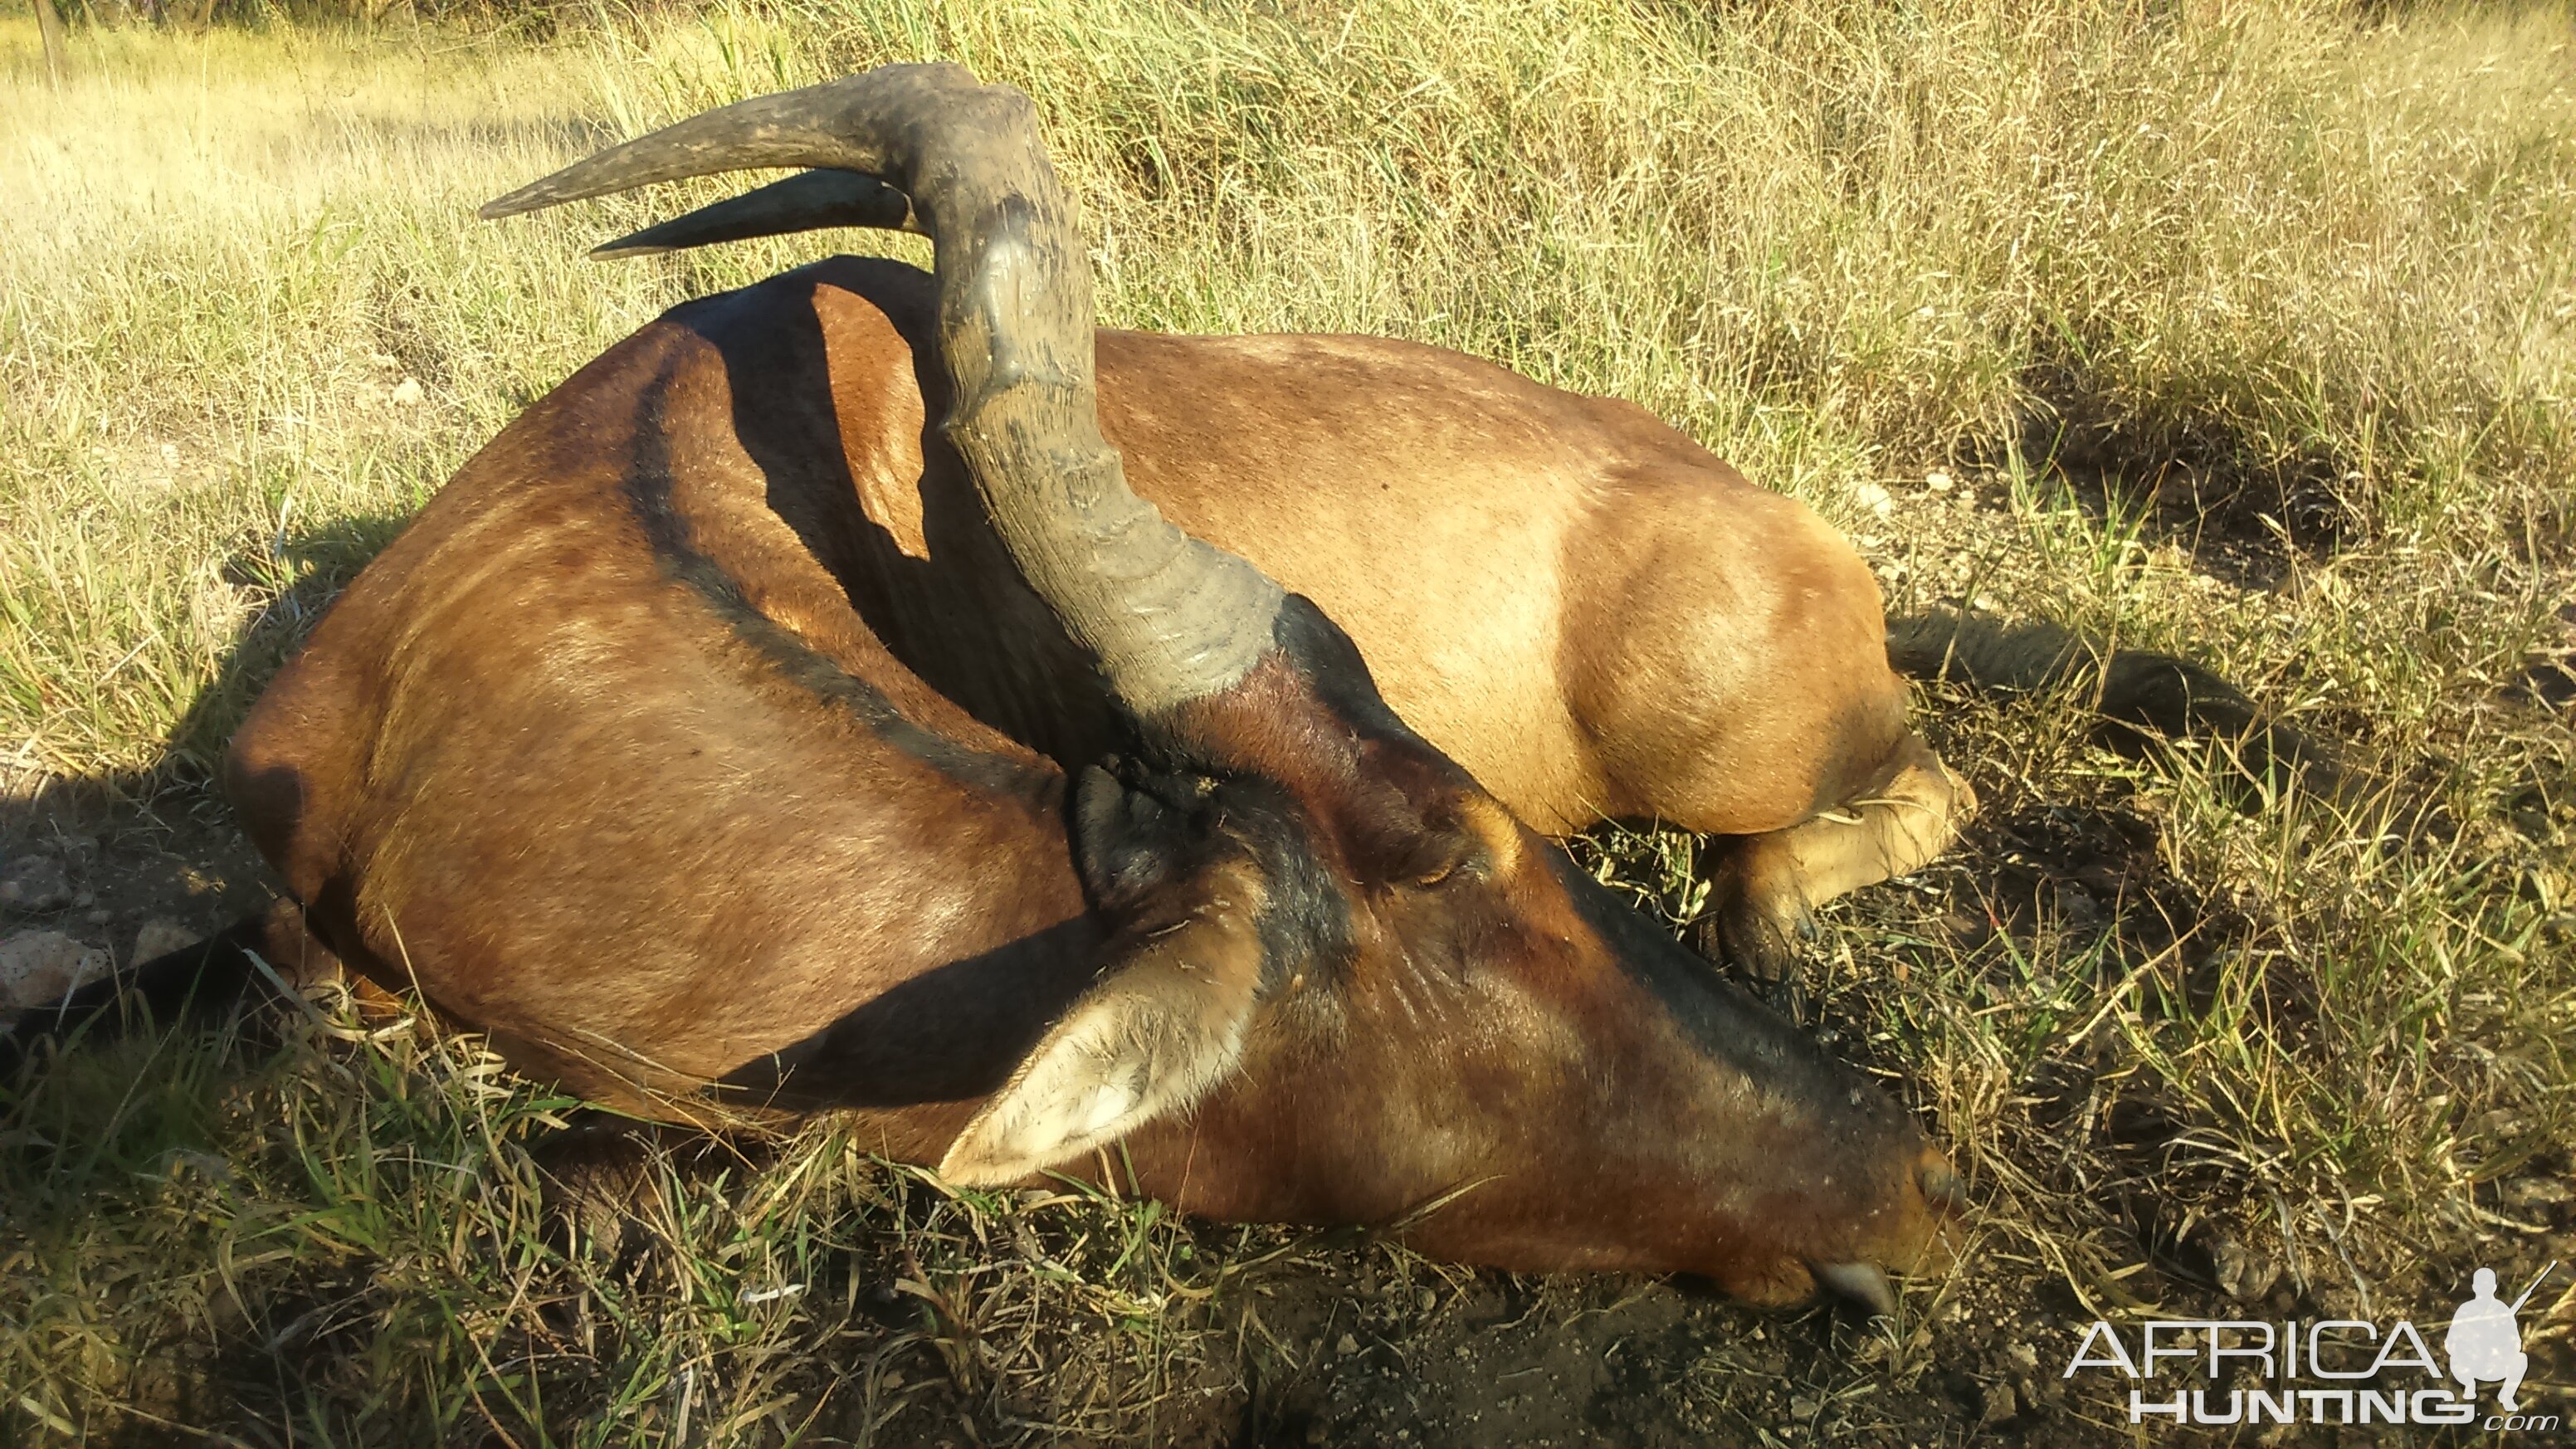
<point>519,202</point>
<point>620,250</point>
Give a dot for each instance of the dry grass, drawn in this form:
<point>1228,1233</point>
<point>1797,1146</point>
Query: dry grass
<point>2247,329</point>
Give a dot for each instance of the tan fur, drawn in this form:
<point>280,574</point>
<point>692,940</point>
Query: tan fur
<point>1595,616</point>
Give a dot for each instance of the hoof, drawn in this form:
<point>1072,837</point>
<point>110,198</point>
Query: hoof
<point>1754,942</point>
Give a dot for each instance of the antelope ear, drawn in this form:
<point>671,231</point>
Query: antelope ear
<point>1149,1038</point>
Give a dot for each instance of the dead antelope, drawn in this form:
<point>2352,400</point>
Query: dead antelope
<point>1590,613</point>
<point>602,756</point>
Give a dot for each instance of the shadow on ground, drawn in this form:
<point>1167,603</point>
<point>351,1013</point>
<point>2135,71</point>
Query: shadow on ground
<point>158,843</point>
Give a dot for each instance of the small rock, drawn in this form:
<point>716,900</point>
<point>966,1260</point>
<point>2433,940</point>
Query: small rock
<point>1938,481</point>
<point>38,968</point>
<point>160,936</point>
<point>2023,1355</point>
<point>406,393</point>
<point>1805,1408</point>
<point>206,1165</point>
<point>84,900</point>
<point>33,883</point>
<point>2001,1404</point>
<point>1874,498</point>
<point>224,1312</point>
<point>1347,1346</point>
<point>1427,1300</point>
<point>2538,1192</point>
<point>2242,1273</point>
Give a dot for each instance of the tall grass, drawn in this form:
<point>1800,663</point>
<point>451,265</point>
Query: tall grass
<point>2244,327</point>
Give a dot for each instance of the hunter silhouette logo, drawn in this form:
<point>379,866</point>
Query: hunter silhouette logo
<point>2485,1341</point>
<point>2330,1371</point>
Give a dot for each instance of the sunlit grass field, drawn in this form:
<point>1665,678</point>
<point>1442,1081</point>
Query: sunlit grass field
<point>2240,330</point>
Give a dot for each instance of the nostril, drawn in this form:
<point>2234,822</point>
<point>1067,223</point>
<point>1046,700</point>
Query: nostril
<point>1943,1187</point>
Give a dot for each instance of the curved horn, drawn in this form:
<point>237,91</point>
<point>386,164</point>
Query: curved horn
<point>1170,618</point>
<point>807,201</point>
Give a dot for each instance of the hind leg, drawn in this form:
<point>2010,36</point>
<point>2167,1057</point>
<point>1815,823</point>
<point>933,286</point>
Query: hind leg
<point>1764,888</point>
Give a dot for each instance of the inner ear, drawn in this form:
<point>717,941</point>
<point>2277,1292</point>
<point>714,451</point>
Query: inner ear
<point>1127,842</point>
<point>1134,838</point>
<point>1162,1025</point>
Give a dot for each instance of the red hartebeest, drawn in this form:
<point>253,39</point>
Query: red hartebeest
<point>603,757</point>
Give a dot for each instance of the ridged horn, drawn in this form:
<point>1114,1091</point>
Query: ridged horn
<point>1169,618</point>
<point>807,201</point>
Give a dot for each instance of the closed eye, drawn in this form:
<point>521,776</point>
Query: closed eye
<point>1469,863</point>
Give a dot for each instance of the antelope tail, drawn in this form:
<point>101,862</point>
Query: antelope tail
<point>2143,698</point>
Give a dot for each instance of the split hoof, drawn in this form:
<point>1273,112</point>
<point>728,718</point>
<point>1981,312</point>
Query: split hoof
<point>1759,944</point>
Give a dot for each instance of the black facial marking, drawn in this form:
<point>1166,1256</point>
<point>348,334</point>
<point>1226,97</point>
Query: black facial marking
<point>1398,825</point>
<point>1305,920</point>
<point>1136,829</point>
<point>1327,658</point>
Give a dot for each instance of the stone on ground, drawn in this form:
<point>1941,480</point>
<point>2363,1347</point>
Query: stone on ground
<point>38,968</point>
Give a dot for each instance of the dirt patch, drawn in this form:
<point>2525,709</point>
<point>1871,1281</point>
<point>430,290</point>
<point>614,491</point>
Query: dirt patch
<point>1368,1345</point>
<point>130,857</point>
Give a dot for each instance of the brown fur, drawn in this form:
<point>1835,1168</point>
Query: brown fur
<point>601,758</point>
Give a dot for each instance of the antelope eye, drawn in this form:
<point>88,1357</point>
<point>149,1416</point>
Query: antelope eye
<point>1465,859</point>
